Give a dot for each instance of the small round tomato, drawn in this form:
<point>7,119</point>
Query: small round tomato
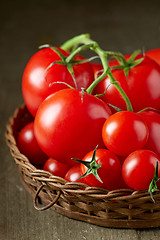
<point>74,173</point>
<point>104,164</point>
<point>68,124</point>
<point>124,132</point>
<point>28,145</point>
<point>138,169</point>
<point>55,167</point>
<point>38,78</point>
<point>152,120</point>
<point>154,54</point>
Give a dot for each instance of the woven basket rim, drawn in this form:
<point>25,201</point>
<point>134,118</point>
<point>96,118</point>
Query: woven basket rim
<point>61,188</point>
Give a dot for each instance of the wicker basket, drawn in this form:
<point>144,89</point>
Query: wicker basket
<point>119,208</point>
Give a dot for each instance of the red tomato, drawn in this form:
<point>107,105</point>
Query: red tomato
<point>152,119</point>
<point>55,167</point>
<point>28,145</point>
<point>124,132</point>
<point>142,85</point>
<point>96,69</point>
<point>109,171</point>
<point>112,95</point>
<point>154,54</point>
<point>36,78</point>
<point>68,127</point>
<point>74,173</point>
<point>138,169</point>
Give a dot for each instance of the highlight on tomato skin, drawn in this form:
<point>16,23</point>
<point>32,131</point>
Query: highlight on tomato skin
<point>67,126</point>
<point>38,76</point>
<point>108,169</point>
<point>74,173</point>
<point>139,167</point>
<point>28,145</point>
<point>124,132</point>
<point>55,167</point>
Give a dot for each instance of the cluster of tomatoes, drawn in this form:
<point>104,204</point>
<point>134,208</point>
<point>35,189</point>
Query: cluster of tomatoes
<point>92,137</point>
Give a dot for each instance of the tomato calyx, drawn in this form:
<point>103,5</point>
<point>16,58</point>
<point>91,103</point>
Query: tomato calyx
<point>92,166</point>
<point>153,185</point>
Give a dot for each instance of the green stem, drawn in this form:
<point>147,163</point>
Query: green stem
<point>88,43</point>
<point>81,39</point>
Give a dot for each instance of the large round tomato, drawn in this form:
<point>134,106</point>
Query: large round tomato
<point>28,145</point>
<point>138,169</point>
<point>37,78</point>
<point>154,54</point>
<point>68,124</point>
<point>152,119</point>
<point>124,132</point>
<point>55,167</point>
<point>109,171</point>
<point>142,85</point>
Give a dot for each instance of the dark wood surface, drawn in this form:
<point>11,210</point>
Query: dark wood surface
<point>117,25</point>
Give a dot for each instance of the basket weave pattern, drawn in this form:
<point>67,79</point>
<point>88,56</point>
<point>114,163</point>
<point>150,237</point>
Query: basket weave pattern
<point>121,208</point>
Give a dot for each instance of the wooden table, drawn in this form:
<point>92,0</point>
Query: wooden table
<point>117,25</point>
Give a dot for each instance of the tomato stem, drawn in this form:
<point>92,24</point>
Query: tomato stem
<point>90,44</point>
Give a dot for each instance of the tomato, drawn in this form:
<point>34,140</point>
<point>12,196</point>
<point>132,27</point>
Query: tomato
<point>55,167</point>
<point>37,78</point>
<point>124,132</point>
<point>152,119</point>
<point>109,169</point>
<point>96,69</point>
<point>74,173</point>
<point>67,126</point>
<point>154,54</point>
<point>28,145</point>
<point>112,95</point>
<point>142,85</point>
<point>138,169</point>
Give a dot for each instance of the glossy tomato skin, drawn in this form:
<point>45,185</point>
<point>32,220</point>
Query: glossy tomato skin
<point>96,69</point>
<point>112,95</point>
<point>152,120</point>
<point>124,132</point>
<point>154,54</point>
<point>138,169</point>
<point>28,145</point>
<point>37,78</point>
<point>74,173</point>
<point>55,167</point>
<point>109,172</point>
<point>68,127</point>
<point>142,85</point>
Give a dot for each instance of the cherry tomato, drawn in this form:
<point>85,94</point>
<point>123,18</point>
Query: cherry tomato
<point>124,132</point>
<point>142,85</point>
<point>152,119</point>
<point>68,124</point>
<point>138,169</point>
<point>55,167</point>
<point>37,78</point>
<point>28,145</point>
<point>154,54</point>
<point>74,173</point>
<point>109,172</point>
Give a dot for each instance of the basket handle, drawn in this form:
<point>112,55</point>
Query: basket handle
<point>35,200</point>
